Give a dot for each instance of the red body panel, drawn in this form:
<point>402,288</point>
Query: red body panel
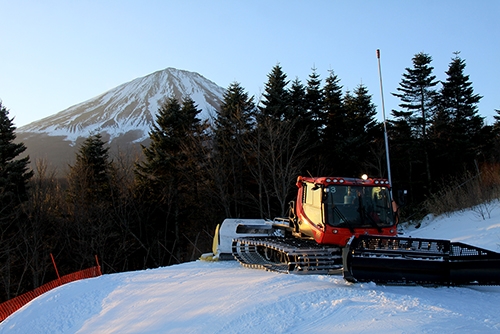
<point>329,235</point>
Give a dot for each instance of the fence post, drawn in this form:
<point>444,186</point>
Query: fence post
<point>98,266</point>
<point>55,267</point>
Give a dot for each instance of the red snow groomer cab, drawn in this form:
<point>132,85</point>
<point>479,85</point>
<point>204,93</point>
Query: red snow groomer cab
<point>331,210</point>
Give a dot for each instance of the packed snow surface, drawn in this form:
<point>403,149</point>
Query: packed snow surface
<point>223,297</point>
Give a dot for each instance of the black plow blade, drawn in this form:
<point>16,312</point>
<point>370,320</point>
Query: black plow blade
<point>396,260</point>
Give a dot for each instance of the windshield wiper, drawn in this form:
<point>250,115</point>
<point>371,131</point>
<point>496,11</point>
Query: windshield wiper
<point>344,219</point>
<point>372,221</point>
<point>364,214</point>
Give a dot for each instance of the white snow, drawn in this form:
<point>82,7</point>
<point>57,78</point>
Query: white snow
<point>223,297</point>
<point>132,106</point>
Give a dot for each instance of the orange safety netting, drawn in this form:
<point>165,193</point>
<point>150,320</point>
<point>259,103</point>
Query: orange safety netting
<point>14,304</point>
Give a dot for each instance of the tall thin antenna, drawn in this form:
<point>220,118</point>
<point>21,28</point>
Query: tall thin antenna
<point>385,123</point>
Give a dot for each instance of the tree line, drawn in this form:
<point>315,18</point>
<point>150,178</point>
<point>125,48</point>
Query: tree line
<point>162,209</point>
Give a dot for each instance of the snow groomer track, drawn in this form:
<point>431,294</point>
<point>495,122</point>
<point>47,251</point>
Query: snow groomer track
<point>287,255</point>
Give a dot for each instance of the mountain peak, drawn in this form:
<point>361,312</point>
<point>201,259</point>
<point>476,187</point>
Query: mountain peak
<point>130,107</point>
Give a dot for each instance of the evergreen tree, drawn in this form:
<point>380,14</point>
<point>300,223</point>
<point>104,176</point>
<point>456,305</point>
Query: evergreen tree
<point>304,134</point>
<point>90,178</point>
<point>91,195</point>
<point>233,124</point>
<point>164,152</point>
<point>458,129</point>
<point>401,145</point>
<point>362,131</point>
<point>496,124</point>
<point>276,96</point>
<point>497,118</point>
<point>417,94</point>
<point>165,179</point>
<point>14,173</point>
<point>298,102</point>
<point>277,142</point>
<point>314,100</point>
<point>193,188</point>
<point>14,177</point>
<point>495,132</point>
<point>333,149</point>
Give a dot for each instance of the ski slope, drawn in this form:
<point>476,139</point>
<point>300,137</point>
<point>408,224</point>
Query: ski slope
<point>223,297</point>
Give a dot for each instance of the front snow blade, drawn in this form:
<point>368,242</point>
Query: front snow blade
<point>397,260</point>
<point>473,265</point>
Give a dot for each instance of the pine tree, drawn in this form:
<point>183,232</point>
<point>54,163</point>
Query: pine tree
<point>166,179</point>
<point>304,134</point>
<point>165,153</point>
<point>362,131</point>
<point>193,184</point>
<point>298,102</point>
<point>497,117</point>
<point>458,129</point>
<point>417,94</point>
<point>277,141</point>
<point>90,177</point>
<point>14,173</point>
<point>276,96</point>
<point>496,124</point>
<point>14,177</point>
<point>314,100</point>
<point>401,145</point>
<point>333,104</point>
<point>233,124</point>
<point>235,117</point>
<point>91,195</point>
<point>333,149</point>
<point>495,132</point>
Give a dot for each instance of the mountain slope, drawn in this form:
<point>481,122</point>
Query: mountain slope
<point>123,115</point>
<point>130,106</point>
<point>224,297</point>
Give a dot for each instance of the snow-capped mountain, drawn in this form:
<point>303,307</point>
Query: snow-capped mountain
<point>123,116</point>
<point>131,106</point>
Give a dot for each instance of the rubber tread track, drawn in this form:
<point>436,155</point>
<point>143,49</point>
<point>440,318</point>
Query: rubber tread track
<point>287,255</point>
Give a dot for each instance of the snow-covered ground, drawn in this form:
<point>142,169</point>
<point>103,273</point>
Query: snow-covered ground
<point>223,297</point>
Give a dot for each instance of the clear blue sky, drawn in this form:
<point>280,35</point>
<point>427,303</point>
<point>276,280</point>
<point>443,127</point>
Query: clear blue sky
<point>54,54</point>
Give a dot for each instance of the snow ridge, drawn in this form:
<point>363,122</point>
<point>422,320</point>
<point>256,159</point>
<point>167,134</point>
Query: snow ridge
<point>131,106</point>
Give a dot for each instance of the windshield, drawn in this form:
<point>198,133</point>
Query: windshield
<point>358,206</point>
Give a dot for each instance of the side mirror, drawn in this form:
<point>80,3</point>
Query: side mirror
<point>402,197</point>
